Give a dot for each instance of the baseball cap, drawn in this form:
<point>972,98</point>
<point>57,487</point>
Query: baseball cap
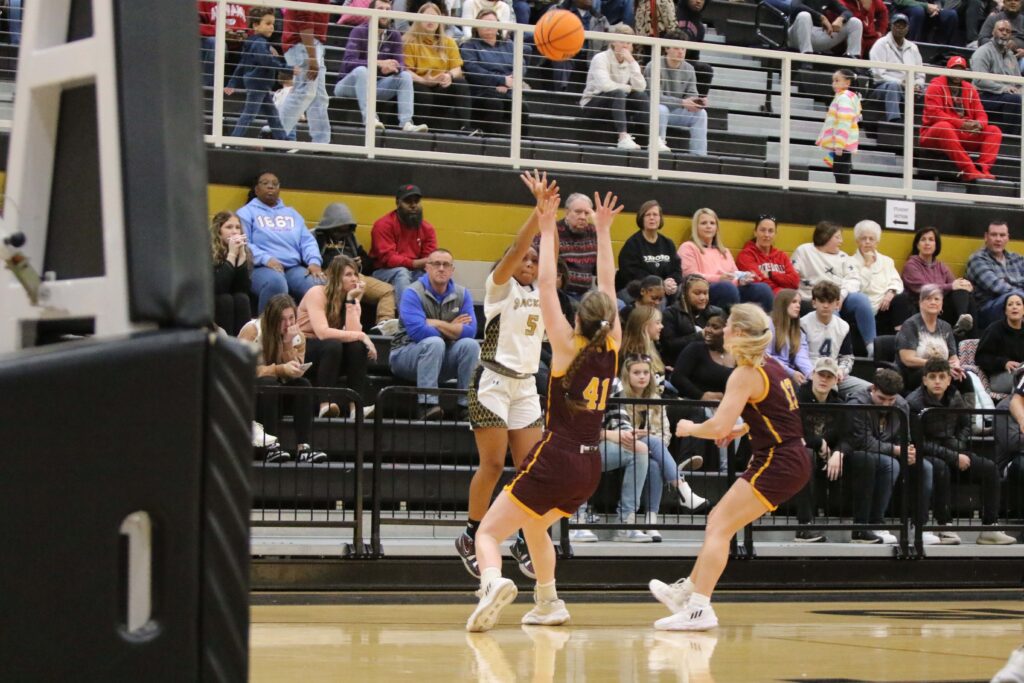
<point>899,16</point>
<point>956,62</point>
<point>827,364</point>
<point>410,190</point>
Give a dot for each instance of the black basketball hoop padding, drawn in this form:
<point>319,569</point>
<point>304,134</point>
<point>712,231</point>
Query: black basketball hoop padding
<point>91,432</point>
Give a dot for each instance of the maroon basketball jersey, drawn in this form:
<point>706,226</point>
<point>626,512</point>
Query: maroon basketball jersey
<point>589,389</point>
<point>775,417</point>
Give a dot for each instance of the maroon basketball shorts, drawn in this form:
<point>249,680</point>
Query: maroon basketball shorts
<point>779,473</point>
<point>557,474</point>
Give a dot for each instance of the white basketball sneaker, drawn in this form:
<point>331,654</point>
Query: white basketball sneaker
<point>672,595</point>
<point>690,619</point>
<point>1013,672</point>
<point>547,613</point>
<point>499,594</point>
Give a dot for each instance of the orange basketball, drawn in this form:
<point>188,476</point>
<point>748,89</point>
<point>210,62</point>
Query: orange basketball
<point>558,35</point>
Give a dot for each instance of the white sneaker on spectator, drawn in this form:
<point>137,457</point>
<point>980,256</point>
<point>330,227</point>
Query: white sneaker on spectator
<point>652,519</point>
<point>631,536</point>
<point>368,410</point>
<point>582,536</point>
<point>886,537</point>
<point>928,538</point>
<point>388,328</point>
<point>627,142</point>
<point>663,146</point>
<point>411,127</point>
<point>949,538</point>
<point>378,125</point>
<point>995,538</point>
<point>964,324</point>
<point>260,438</point>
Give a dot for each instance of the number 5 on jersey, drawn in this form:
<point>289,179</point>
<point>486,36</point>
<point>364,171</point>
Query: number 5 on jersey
<point>596,393</point>
<point>531,324</point>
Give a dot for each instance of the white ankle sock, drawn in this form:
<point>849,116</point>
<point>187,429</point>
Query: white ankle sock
<point>698,600</point>
<point>489,575</point>
<point>546,591</point>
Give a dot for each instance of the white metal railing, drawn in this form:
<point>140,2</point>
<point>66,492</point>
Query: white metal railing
<point>655,167</point>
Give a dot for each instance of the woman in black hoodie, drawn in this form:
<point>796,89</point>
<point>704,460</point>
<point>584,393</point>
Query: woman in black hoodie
<point>684,322</point>
<point>688,19</point>
<point>1001,349</point>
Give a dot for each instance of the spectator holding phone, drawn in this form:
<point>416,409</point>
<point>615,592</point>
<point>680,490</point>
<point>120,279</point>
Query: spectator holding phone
<point>681,106</point>
<point>281,362</point>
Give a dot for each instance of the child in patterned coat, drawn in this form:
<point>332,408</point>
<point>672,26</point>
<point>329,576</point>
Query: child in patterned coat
<point>840,134</point>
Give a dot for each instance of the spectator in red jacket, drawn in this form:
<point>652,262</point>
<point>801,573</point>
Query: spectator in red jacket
<point>401,241</point>
<point>303,36</point>
<point>874,16</point>
<point>236,29</point>
<point>770,265</point>
<point>954,121</point>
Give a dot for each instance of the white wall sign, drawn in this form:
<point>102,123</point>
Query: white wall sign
<point>899,214</point>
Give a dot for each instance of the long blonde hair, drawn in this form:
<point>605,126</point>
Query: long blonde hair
<point>716,241</point>
<point>334,290</point>
<point>418,35</point>
<point>787,329</point>
<point>218,249</point>
<point>652,390</point>
<point>751,334</point>
<point>635,339</point>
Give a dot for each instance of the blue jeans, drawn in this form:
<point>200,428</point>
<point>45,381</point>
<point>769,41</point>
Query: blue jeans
<point>946,19</point>
<point>14,21</point>
<point>259,103</point>
<point>872,476</point>
<point>694,121</point>
<point>992,310</point>
<point>399,278</point>
<point>307,97</point>
<point>267,283</point>
<point>892,94</point>
<point>613,457</point>
<point>616,11</point>
<point>432,361</point>
<point>923,468</point>
<point>662,469</point>
<point>396,86</point>
<point>857,311</point>
<point>727,294</point>
<point>521,8</point>
<point>207,53</point>
<point>1003,110</point>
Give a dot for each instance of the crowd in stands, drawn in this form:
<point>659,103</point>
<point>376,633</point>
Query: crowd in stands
<point>462,78</point>
<point>826,307</point>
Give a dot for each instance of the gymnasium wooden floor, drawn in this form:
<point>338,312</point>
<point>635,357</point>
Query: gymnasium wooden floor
<point>392,638</point>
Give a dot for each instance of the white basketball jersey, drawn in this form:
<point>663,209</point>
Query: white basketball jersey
<point>514,328</point>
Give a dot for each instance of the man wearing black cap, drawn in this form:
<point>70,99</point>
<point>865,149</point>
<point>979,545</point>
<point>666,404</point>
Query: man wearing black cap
<point>336,235</point>
<point>954,121</point>
<point>895,48</point>
<point>401,241</point>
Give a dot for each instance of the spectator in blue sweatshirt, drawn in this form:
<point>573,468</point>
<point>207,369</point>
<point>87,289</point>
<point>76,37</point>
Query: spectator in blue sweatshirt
<point>285,255</point>
<point>257,72</point>
<point>435,341</point>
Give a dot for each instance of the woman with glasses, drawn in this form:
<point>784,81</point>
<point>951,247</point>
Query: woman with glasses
<point>769,265</point>
<point>649,252</point>
<point>285,255</point>
<point>760,392</point>
<point>705,254</point>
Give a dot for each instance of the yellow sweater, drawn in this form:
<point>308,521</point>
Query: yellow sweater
<point>424,59</point>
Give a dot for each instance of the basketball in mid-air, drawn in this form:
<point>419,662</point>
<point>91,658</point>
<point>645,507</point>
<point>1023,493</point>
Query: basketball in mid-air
<point>558,35</point>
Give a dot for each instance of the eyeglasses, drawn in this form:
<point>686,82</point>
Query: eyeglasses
<point>442,265</point>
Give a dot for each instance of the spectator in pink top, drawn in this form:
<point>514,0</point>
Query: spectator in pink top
<point>705,255</point>
<point>924,268</point>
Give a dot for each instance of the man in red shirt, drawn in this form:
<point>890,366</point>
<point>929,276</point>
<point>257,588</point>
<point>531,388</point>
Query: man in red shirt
<point>954,121</point>
<point>236,30</point>
<point>874,16</point>
<point>303,36</point>
<point>401,241</point>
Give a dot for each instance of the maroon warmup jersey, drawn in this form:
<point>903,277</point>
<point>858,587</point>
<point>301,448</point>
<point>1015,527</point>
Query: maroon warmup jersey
<point>779,467</point>
<point>775,417</point>
<point>589,391</point>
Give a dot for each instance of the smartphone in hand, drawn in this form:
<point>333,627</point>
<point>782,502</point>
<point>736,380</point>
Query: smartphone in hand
<point>305,366</point>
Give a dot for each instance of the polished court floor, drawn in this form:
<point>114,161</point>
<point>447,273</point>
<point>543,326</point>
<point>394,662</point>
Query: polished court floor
<point>827,640</point>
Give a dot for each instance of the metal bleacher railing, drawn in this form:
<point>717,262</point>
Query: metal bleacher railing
<point>764,111</point>
<point>418,474</point>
